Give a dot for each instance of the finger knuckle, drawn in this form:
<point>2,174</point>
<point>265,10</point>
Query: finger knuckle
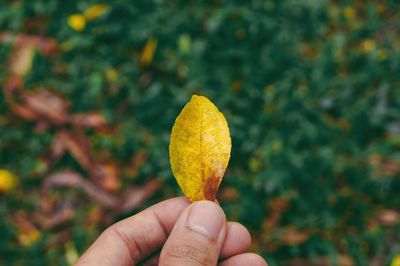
<point>189,253</point>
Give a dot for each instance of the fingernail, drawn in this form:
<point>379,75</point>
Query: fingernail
<point>206,218</point>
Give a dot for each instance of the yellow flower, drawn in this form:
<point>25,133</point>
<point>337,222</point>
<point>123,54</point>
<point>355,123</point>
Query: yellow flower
<point>7,181</point>
<point>396,261</point>
<point>77,22</point>
<point>146,57</point>
<point>95,11</point>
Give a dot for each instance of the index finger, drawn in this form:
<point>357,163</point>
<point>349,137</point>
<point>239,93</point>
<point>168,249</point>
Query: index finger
<point>134,238</point>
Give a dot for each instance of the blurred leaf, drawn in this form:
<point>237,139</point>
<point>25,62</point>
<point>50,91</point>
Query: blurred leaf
<point>47,104</point>
<point>94,120</point>
<point>21,60</point>
<point>75,180</point>
<point>389,217</point>
<point>147,54</point>
<point>28,234</point>
<point>95,11</point>
<point>291,236</point>
<point>135,197</point>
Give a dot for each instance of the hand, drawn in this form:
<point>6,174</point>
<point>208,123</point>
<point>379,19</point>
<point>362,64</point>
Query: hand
<point>194,234</point>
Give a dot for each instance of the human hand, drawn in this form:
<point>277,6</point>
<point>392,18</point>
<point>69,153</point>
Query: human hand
<point>194,234</point>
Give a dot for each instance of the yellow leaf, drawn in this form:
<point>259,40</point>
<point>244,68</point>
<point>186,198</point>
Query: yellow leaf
<point>146,57</point>
<point>7,181</point>
<point>95,11</point>
<point>71,254</point>
<point>21,60</point>
<point>199,149</point>
<point>77,22</point>
<point>395,261</point>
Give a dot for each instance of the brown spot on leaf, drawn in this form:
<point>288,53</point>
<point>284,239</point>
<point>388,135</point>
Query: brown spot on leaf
<point>211,187</point>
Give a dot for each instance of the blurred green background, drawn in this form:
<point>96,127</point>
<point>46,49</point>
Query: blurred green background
<point>310,89</point>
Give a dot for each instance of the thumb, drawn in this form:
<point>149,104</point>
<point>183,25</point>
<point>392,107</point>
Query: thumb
<point>197,237</point>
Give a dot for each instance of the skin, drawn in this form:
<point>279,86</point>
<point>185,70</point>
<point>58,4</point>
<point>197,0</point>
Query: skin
<point>138,239</point>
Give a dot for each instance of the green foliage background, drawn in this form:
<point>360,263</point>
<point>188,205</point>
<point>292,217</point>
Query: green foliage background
<point>310,90</point>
